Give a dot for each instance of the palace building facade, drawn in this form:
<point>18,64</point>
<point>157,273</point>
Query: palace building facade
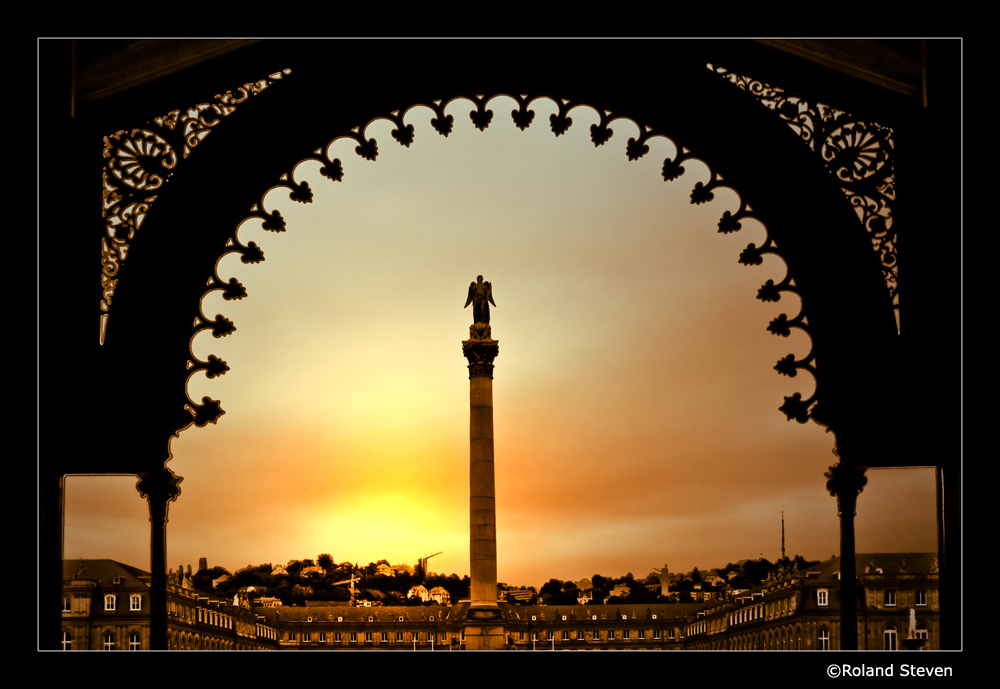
<point>801,610</point>
<point>106,606</point>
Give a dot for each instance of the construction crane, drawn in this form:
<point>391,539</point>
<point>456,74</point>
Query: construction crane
<point>423,563</point>
<point>351,582</point>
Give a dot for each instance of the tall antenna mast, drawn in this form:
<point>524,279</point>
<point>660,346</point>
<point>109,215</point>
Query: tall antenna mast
<point>782,534</point>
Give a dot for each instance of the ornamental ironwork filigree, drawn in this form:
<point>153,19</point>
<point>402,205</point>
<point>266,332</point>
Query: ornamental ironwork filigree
<point>859,154</point>
<point>795,407</point>
<point>142,161</point>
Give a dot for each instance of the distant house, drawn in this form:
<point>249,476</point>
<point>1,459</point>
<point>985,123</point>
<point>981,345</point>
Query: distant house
<point>316,569</point>
<point>419,590</point>
<point>522,594</point>
<point>385,570</point>
<point>401,569</point>
<point>620,590</point>
<point>440,595</point>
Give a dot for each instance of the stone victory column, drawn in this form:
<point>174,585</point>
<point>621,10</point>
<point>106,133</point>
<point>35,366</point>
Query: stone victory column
<point>484,629</point>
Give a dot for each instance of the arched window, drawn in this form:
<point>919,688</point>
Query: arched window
<point>135,602</point>
<point>822,597</point>
<point>890,638</point>
<point>109,641</point>
<point>824,639</point>
<point>109,602</point>
<point>134,643</point>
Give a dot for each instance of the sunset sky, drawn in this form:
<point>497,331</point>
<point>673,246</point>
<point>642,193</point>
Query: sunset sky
<point>636,416</point>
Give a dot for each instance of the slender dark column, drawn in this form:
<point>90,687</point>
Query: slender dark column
<point>845,482</point>
<point>159,489</point>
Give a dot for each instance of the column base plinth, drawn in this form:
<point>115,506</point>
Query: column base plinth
<point>484,635</point>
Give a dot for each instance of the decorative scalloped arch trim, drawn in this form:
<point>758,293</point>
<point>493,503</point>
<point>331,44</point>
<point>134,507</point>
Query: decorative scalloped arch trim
<point>794,407</point>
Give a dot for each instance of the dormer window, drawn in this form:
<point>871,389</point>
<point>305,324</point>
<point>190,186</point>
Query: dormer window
<point>109,602</point>
<point>822,598</point>
<point>135,602</point>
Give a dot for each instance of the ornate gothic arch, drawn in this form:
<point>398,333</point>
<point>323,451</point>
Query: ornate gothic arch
<point>129,391</point>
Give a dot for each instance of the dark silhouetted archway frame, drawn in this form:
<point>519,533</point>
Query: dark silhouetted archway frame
<point>112,408</point>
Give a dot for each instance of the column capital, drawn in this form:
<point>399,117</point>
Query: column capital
<point>845,482</point>
<point>161,485</point>
<point>480,354</point>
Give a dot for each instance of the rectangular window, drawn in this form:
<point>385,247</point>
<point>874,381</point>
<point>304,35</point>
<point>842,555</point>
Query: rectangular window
<point>921,598</point>
<point>611,635</point>
<point>641,635</point>
<point>133,641</point>
<point>385,637</point>
<point>291,636</point>
<point>521,636</point>
<point>322,637</point>
<point>565,635</point>
<point>890,599</point>
<point>368,637</point>
<point>337,638</point>
<point>550,637</point>
<point>656,635</point>
<point>306,637</point>
<point>65,604</point>
<point>399,637</point>
<point>354,637</point>
<point>824,640</point>
<point>627,635</point>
